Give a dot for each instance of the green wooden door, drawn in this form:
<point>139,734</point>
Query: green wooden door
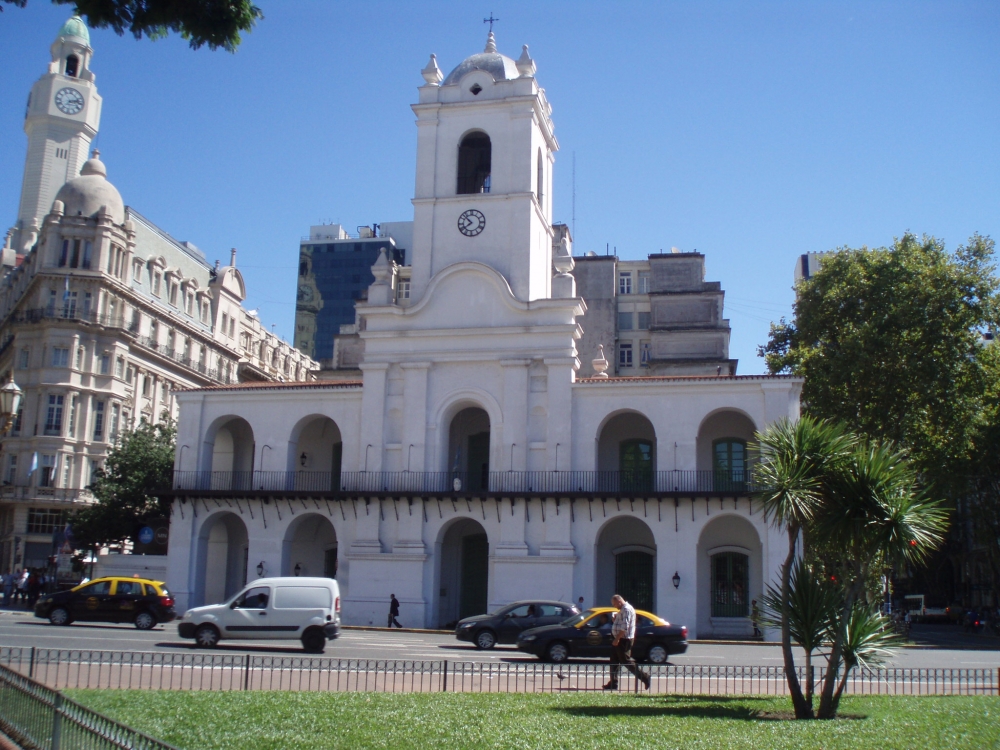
<point>635,464</point>
<point>635,578</point>
<point>479,461</point>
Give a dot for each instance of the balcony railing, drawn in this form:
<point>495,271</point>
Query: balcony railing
<point>493,482</point>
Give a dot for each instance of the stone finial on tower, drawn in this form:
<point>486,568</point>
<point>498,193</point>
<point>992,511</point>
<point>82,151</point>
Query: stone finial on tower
<point>600,363</point>
<point>525,65</point>
<point>380,292</point>
<point>232,257</point>
<point>491,43</point>
<point>563,285</point>
<point>432,73</point>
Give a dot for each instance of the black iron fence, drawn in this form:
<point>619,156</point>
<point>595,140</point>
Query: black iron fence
<point>36,716</point>
<point>70,668</point>
<point>502,482</point>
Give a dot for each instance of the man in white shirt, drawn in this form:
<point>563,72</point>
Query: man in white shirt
<point>622,637</point>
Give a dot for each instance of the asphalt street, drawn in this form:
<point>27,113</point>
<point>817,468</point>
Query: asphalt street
<point>20,629</point>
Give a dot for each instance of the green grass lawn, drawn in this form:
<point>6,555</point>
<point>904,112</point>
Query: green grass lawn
<point>582,721</point>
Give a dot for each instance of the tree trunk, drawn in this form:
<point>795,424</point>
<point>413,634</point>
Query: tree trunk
<point>803,710</point>
<point>827,705</point>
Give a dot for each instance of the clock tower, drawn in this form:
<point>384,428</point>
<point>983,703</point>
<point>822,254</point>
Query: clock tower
<point>62,118</point>
<point>485,151</point>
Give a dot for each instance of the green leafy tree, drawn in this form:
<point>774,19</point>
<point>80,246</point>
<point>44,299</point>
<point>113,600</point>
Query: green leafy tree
<point>140,463</point>
<point>890,343</point>
<point>217,23</point>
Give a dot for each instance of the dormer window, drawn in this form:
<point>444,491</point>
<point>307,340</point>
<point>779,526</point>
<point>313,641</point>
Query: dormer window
<point>474,164</point>
<point>72,66</point>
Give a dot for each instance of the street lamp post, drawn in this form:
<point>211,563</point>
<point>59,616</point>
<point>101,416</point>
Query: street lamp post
<point>10,401</point>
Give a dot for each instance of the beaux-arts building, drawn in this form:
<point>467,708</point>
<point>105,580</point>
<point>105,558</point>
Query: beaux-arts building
<point>477,460</point>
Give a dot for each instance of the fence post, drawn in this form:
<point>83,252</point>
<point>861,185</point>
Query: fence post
<point>56,721</point>
<point>444,676</point>
<point>998,680</point>
<point>246,672</point>
<point>31,663</point>
<point>812,680</point>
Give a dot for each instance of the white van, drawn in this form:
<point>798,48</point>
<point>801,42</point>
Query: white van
<point>306,609</point>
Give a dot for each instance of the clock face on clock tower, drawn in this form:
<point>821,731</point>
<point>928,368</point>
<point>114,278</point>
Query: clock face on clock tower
<point>471,222</point>
<point>69,100</point>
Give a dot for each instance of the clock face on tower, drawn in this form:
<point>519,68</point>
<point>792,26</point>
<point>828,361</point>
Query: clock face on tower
<point>471,222</point>
<point>69,100</point>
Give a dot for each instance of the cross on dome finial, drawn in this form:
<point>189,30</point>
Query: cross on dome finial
<point>491,43</point>
<point>491,20</point>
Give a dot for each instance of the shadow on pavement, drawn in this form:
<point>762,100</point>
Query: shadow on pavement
<point>718,707</point>
<point>87,626</point>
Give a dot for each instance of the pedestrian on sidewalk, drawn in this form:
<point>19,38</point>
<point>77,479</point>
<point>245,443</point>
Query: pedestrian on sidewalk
<point>623,635</point>
<point>22,586</point>
<point>755,618</point>
<point>393,611</point>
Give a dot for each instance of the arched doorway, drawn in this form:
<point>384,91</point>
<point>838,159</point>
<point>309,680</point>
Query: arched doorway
<point>222,558</point>
<point>314,454</point>
<point>626,454</point>
<point>469,448</point>
<point>463,572</point>
<point>730,576</point>
<point>626,563</point>
<point>229,451</point>
<point>309,547</point>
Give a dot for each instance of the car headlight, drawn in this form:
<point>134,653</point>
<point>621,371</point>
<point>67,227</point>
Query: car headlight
<point>48,601</point>
<point>187,615</point>
<point>528,637</point>
<point>466,625</point>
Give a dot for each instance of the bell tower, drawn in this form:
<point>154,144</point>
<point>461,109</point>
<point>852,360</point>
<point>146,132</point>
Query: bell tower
<point>62,118</point>
<point>485,151</point>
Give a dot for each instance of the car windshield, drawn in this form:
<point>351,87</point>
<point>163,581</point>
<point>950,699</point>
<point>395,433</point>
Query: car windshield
<point>576,619</point>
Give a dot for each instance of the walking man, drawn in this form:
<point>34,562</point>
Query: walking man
<point>755,618</point>
<point>393,611</point>
<point>622,637</point>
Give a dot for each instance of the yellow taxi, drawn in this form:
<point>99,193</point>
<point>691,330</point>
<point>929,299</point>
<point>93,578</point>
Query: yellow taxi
<point>588,635</point>
<point>141,601</point>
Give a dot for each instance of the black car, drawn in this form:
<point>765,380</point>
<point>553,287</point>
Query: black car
<point>140,601</point>
<point>506,624</point>
<point>588,634</point>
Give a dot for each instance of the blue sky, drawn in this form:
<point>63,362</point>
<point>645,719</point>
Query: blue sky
<point>751,132</point>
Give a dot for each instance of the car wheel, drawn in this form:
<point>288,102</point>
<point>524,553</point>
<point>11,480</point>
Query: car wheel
<point>486,639</point>
<point>59,616</point>
<point>206,636</point>
<point>657,654</point>
<point>557,652</point>
<point>313,642</point>
<point>144,621</point>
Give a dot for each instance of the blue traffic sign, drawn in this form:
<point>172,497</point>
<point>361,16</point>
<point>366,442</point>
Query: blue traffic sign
<point>146,535</point>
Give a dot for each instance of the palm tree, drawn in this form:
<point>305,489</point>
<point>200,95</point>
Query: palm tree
<point>874,515</point>
<point>795,461</point>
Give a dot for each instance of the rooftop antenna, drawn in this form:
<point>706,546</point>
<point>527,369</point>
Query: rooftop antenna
<point>574,195</point>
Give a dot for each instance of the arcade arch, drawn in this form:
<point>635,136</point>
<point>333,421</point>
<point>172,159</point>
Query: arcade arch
<point>626,563</point>
<point>469,448</point>
<point>315,450</point>
<point>723,448</point>
<point>309,547</point>
<point>228,454</point>
<point>463,571</point>
<point>626,449</point>
<point>730,575</point>
<point>222,551</point>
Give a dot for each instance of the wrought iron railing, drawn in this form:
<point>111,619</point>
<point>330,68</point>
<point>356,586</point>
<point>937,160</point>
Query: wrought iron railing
<point>36,716</point>
<point>73,669</point>
<point>502,482</point>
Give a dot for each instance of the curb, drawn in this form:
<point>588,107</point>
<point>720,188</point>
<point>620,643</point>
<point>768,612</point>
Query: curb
<point>397,630</point>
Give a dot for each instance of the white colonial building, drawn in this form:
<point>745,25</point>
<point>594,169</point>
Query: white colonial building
<point>477,461</point>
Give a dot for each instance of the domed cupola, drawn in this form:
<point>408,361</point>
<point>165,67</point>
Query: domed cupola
<point>501,67</point>
<point>86,194</point>
<point>76,28</point>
